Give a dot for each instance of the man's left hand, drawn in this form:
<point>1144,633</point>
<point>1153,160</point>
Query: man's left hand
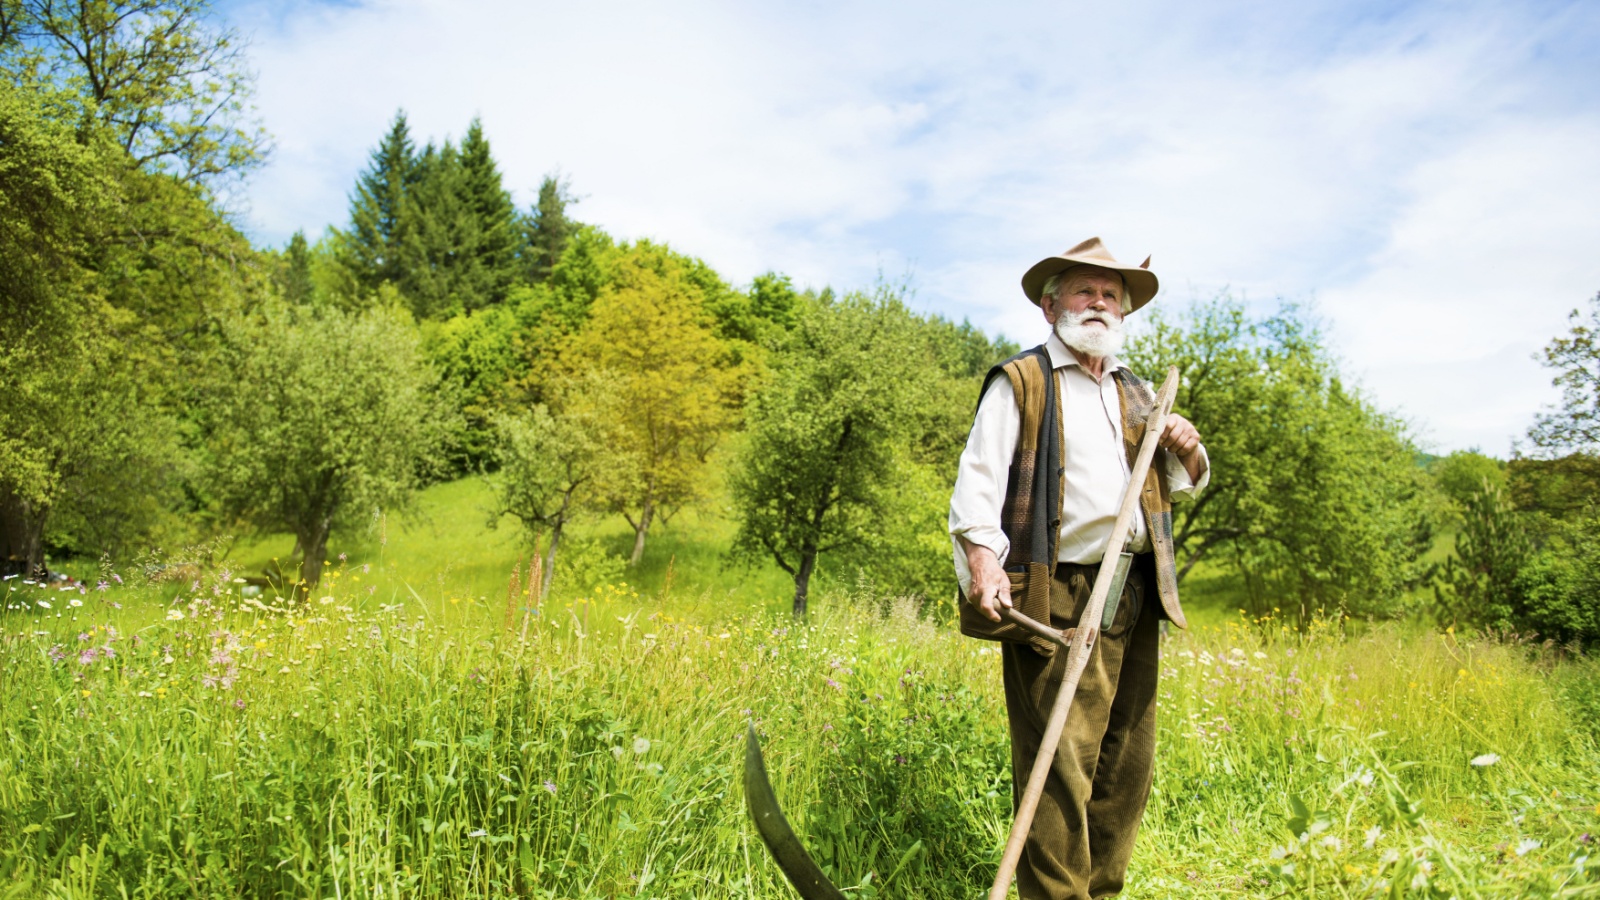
<point>1181,439</point>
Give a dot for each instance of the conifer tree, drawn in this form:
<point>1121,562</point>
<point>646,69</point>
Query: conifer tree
<point>548,229</point>
<point>436,234</point>
<point>372,246</point>
<point>296,275</point>
<point>491,267</point>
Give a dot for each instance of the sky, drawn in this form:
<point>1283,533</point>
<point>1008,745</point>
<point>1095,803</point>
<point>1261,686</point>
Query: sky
<point>1424,177</point>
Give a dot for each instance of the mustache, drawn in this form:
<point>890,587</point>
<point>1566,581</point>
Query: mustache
<point>1075,320</point>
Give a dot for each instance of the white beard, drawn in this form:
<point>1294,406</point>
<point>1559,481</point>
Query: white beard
<point>1097,343</point>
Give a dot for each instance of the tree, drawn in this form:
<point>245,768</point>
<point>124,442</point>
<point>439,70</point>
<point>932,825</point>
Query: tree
<point>648,328</point>
<point>548,228</point>
<point>1574,427</point>
<point>827,435</point>
<point>323,415</point>
<point>371,249</point>
<point>496,233</point>
<point>553,457</point>
<point>1316,499</point>
<point>166,84</point>
<point>76,414</point>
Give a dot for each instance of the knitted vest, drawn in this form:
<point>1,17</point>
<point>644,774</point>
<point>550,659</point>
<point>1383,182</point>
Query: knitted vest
<point>1031,513</point>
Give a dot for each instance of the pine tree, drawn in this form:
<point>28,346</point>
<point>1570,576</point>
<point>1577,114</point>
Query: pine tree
<point>437,232</point>
<point>548,229</point>
<point>296,276</point>
<point>372,245</point>
<point>491,267</point>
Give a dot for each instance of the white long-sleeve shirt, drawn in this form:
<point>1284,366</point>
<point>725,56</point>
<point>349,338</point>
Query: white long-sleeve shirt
<point>1097,469</point>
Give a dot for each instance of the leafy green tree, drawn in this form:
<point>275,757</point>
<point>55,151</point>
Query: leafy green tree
<point>552,458</point>
<point>372,248</point>
<point>548,228</point>
<point>1316,500</point>
<point>86,439</point>
<point>674,379</point>
<point>159,76</point>
<point>1574,427</point>
<point>827,436</point>
<point>1462,474</point>
<point>322,416</point>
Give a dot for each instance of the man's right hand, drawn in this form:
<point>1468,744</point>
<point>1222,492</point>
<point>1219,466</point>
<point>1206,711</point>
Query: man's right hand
<point>991,589</point>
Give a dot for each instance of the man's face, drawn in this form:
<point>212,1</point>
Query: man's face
<point>1087,288</point>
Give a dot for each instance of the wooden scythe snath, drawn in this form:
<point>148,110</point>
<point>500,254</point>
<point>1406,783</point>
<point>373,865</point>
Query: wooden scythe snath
<point>791,856</point>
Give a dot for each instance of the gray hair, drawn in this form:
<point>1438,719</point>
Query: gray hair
<point>1054,284</point>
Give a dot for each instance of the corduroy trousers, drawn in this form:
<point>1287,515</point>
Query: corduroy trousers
<point>1088,817</point>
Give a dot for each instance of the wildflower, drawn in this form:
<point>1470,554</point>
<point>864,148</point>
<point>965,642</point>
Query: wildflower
<point>1524,847</point>
<point>45,604</point>
<point>174,615</point>
<point>1332,843</point>
<point>87,692</point>
<point>476,832</point>
<point>641,746</point>
<point>56,654</point>
<point>117,578</point>
<point>1259,655</point>
<point>325,600</point>
<point>88,656</point>
<point>74,602</point>
<point>550,786</point>
<point>617,751</point>
<point>1372,836</point>
<point>145,694</point>
<point>238,704</point>
<point>1487,759</point>
<point>833,684</point>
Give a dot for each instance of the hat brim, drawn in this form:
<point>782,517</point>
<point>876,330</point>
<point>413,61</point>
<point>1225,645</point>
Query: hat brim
<point>1141,284</point>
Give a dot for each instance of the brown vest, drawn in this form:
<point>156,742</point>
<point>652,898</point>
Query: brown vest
<point>1031,513</point>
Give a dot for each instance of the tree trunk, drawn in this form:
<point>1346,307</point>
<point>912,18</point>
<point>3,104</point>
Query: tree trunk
<point>550,558</point>
<point>640,529</point>
<point>802,579</point>
<point>21,535</point>
<point>314,541</point>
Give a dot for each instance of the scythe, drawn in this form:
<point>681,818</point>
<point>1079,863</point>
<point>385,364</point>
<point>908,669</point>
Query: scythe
<point>791,856</point>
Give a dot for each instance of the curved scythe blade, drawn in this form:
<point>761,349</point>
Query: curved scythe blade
<point>780,839</point>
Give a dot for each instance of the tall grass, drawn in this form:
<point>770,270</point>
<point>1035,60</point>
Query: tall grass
<point>404,741</point>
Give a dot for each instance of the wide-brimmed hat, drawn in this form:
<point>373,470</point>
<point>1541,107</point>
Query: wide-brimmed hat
<point>1140,282</point>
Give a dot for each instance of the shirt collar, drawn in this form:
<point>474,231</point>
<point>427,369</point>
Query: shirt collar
<point>1060,356</point>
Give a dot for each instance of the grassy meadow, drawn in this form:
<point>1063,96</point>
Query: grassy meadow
<point>424,728</point>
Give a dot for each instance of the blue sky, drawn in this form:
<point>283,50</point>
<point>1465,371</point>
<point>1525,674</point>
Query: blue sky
<point>1426,175</point>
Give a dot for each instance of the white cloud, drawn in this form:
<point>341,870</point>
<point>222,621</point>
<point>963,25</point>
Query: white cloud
<point>1433,166</point>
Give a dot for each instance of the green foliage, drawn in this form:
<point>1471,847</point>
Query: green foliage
<point>830,462</point>
<point>87,447</point>
<point>548,229</point>
<point>1464,473</point>
<point>371,248</point>
<point>650,335</point>
<point>1316,499</point>
<point>1556,590</point>
<point>1575,426</point>
<point>166,84</point>
<point>438,225</point>
<point>320,415</point>
<point>555,459</point>
<point>1479,585</point>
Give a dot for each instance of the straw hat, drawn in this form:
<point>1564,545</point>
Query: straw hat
<point>1140,282</point>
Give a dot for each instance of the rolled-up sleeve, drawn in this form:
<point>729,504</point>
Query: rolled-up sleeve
<point>1181,486</point>
<point>981,477</point>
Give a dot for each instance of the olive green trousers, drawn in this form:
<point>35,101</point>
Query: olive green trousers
<point>1088,817</point>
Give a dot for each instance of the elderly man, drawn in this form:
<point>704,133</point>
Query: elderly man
<point>1038,490</point>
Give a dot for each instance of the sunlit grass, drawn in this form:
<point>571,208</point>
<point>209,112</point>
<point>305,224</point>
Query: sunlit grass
<point>402,740</point>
